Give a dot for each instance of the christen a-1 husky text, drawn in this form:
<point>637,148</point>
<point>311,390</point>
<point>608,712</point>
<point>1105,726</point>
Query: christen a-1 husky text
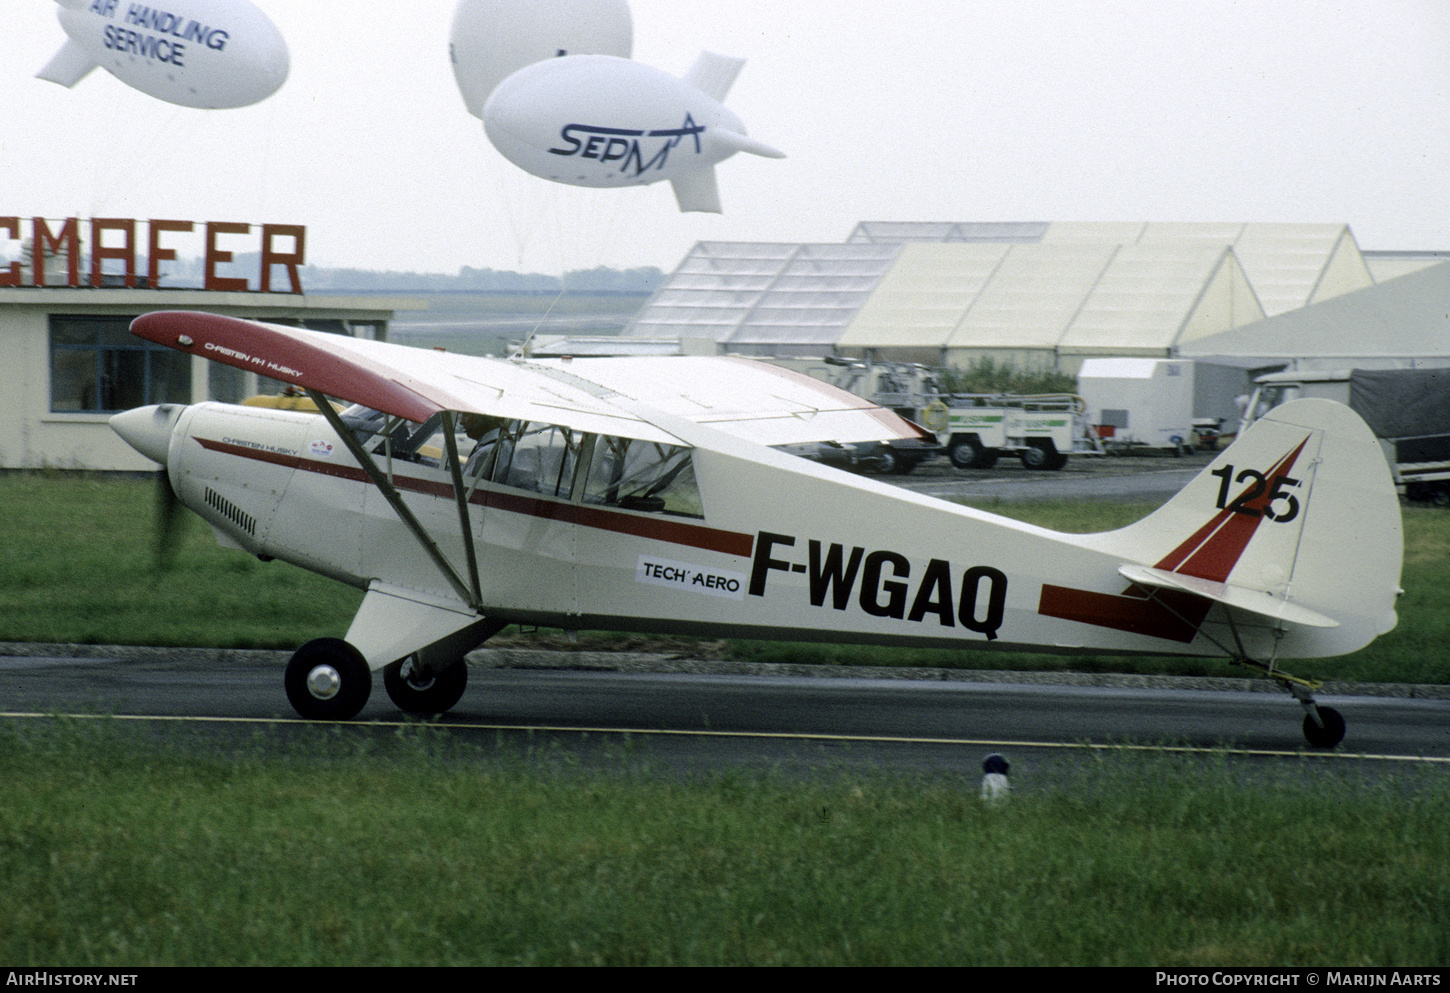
<point>652,494</point>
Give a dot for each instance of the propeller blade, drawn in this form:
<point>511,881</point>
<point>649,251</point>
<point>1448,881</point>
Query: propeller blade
<point>168,522</point>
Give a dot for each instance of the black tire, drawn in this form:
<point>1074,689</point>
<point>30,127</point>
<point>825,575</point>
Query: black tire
<point>1331,734</point>
<point>886,461</point>
<point>1042,455</point>
<point>1034,456</point>
<point>435,695</point>
<point>328,680</point>
<point>968,453</point>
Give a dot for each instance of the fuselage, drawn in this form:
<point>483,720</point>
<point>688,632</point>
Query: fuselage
<point>583,531</point>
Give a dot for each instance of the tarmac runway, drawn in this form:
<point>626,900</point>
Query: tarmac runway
<point>1150,477</point>
<point>698,717</point>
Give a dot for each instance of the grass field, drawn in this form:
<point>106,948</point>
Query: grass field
<point>119,848</point>
<point>78,565</point>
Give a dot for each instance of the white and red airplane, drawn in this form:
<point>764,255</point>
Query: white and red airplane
<point>651,494</point>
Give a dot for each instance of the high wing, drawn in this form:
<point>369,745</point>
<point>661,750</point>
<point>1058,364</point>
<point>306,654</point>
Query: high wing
<point>750,400</point>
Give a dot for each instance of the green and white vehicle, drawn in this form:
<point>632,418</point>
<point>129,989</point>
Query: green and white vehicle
<point>977,429</point>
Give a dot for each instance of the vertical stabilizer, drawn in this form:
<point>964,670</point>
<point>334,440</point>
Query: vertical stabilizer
<point>1300,511</point>
<point>714,74</point>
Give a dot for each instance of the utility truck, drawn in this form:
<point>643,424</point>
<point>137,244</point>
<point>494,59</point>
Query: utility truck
<point>1407,409</point>
<point>975,429</point>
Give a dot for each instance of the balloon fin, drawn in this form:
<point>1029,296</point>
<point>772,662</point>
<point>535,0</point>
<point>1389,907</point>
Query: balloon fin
<point>714,74</point>
<point>698,191</point>
<point>68,66</point>
<point>742,143</point>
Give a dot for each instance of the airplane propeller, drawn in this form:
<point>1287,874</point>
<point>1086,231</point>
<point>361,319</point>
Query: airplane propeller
<point>168,522</point>
<point>148,430</point>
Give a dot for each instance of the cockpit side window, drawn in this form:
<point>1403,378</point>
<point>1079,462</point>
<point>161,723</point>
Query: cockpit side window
<point>643,475</point>
<point>531,456</point>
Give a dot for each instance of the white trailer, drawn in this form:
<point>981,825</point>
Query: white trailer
<point>1140,402</point>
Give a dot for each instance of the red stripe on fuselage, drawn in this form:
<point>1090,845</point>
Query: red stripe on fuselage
<point>1169,614</point>
<point>640,526</point>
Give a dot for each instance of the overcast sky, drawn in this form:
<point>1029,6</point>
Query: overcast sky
<point>958,110</point>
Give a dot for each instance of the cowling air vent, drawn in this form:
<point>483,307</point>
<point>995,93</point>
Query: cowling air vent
<point>231,511</point>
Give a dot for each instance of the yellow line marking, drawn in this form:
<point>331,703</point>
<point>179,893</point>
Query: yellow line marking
<point>773,735</point>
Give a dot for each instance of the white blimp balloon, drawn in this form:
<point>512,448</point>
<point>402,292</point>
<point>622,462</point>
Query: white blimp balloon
<point>492,39</point>
<point>209,54</point>
<point>602,121</point>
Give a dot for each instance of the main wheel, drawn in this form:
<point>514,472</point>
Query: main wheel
<point>328,680</point>
<point>1331,734</point>
<point>427,694</point>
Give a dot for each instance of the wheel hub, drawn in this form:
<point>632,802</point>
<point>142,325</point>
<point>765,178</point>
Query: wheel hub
<point>412,675</point>
<point>323,682</point>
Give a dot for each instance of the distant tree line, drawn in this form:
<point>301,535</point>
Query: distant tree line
<point>602,279</point>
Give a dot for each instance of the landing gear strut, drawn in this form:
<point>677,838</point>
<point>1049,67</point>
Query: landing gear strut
<point>1323,726</point>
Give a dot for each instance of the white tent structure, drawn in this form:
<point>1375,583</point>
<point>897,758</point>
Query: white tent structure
<point>1400,323</point>
<point>1034,294</point>
<point>762,298</point>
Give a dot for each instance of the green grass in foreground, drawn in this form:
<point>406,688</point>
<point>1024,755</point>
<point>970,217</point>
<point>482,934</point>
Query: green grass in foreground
<point>122,849</point>
<point>78,565</point>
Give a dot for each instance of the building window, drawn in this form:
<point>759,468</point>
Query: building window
<point>98,366</point>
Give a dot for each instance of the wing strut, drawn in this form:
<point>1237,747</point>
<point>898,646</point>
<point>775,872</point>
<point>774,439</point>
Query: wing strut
<point>460,496</point>
<point>469,595</point>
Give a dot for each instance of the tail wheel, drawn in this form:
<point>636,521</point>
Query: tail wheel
<point>1332,732</point>
<point>328,680</point>
<point>435,693</point>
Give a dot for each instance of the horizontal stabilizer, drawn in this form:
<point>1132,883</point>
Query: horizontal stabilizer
<point>1254,601</point>
<point>698,191</point>
<point>68,66</point>
<point>714,74</point>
